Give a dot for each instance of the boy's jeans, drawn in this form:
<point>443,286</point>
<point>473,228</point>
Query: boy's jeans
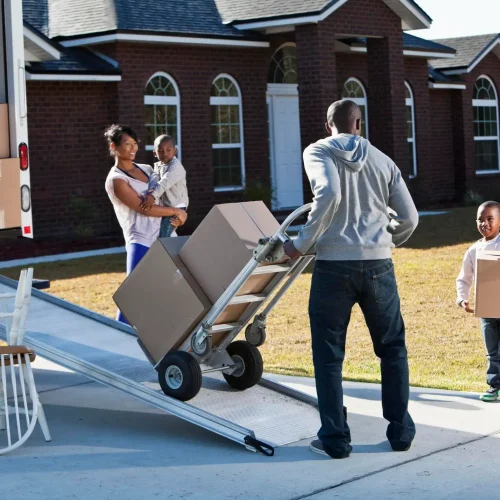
<point>336,287</point>
<point>166,229</point>
<point>491,333</point>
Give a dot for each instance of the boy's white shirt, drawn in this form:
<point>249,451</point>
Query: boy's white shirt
<point>468,271</point>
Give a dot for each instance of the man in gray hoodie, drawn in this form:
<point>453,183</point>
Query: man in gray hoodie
<point>354,186</point>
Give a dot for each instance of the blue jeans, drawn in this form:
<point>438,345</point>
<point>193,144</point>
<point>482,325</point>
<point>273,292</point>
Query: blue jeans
<point>491,333</point>
<point>166,228</point>
<point>135,252</point>
<point>336,287</point>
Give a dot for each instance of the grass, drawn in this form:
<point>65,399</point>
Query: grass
<point>444,343</point>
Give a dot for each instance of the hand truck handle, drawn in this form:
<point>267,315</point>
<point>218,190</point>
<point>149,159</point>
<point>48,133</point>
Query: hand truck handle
<point>281,235</point>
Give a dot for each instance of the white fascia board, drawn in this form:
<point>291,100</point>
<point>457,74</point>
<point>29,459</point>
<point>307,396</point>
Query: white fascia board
<point>428,55</point>
<point>72,78</point>
<point>310,19</point>
<point>291,21</point>
<point>416,13</point>
<point>181,40</point>
<point>447,86</point>
<point>106,58</point>
<point>41,43</point>
<point>413,53</point>
<point>486,51</point>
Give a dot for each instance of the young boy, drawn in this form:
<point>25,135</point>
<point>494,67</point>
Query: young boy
<point>169,183</point>
<point>488,224</point>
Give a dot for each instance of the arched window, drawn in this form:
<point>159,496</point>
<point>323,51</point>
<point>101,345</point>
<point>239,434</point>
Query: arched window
<point>227,134</point>
<point>283,67</point>
<point>410,122</point>
<point>354,91</point>
<point>163,114</point>
<point>485,105</point>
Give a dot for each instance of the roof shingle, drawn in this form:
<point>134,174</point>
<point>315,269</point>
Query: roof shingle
<point>468,49</point>
<point>71,18</point>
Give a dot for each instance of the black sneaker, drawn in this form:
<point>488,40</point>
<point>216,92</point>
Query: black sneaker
<point>316,446</point>
<point>400,445</point>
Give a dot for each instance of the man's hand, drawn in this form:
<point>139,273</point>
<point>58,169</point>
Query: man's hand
<point>465,305</point>
<point>290,250</point>
<point>147,202</point>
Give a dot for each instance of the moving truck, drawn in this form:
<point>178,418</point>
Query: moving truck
<point>15,187</point>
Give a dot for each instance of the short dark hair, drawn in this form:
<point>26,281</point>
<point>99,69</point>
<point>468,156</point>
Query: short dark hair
<point>114,134</point>
<point>163,138</point>
<point>489,204</point>
<point>342,114</point>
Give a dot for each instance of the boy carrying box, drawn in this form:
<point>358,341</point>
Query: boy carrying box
<point>488,224</point>
<point>169,183</point>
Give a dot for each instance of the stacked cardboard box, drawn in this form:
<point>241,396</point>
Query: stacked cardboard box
<point>179,279</point>
<point>487,296</point>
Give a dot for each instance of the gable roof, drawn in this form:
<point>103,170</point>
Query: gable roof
<point>470,50</point>
<point>77,18</point>
<point>216,18</point>
<point>255,14</point>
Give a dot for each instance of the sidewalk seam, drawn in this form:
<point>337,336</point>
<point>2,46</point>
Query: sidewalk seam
<point>379,471</point>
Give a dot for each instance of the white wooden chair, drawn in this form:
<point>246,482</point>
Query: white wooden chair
<point>20,407</point>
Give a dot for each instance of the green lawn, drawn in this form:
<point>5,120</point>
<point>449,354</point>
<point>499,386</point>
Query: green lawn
<point>444,343</point>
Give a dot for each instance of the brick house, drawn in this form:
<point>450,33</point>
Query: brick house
<point>244,86</point>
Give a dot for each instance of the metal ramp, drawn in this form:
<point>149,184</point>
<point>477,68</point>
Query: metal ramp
<point>106,351</point>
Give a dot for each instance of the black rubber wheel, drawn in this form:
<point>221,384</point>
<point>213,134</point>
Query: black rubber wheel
<point>249,365</point>
<point>180,376</point>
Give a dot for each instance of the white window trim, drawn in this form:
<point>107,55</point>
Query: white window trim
<point>167,101</point>
<point>488,103</point>
<point>360,101</point>
<point>282,46</point>
<point>411,103</point>
<point>231,101</point>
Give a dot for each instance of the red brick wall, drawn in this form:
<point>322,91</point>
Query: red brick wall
<point>68,157</point>
<point>321,75</point>
<point>194,70</point>
<point>488,185</point>
<point>441,148</point>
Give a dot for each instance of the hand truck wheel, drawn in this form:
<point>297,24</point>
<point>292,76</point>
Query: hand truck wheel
<point>255,336</point>
<point>201,348</point>
<point>248,363</point>
<point>179,375</point>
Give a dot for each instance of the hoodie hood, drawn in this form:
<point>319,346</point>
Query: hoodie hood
<point>351,150</point>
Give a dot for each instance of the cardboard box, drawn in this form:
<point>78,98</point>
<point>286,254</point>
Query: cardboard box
<point>163,302</point>
<point>487,296</point>
<point>223,244</point>
<point>161,299</point>
<point>4,131</point>
<point>10,193</point>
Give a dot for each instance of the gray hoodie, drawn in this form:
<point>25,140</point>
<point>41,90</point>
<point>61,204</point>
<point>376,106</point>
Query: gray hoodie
<point>354,185</point>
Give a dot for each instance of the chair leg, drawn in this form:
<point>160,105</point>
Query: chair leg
<point>43,423</point>
<point>35,398</point>
<point>3,423</point>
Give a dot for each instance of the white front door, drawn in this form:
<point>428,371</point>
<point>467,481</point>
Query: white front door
<point>285,146</point>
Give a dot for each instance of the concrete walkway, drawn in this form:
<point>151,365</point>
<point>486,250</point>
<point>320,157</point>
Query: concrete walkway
<point>107,445</point>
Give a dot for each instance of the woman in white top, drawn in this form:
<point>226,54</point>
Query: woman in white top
<point>125,184</point>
